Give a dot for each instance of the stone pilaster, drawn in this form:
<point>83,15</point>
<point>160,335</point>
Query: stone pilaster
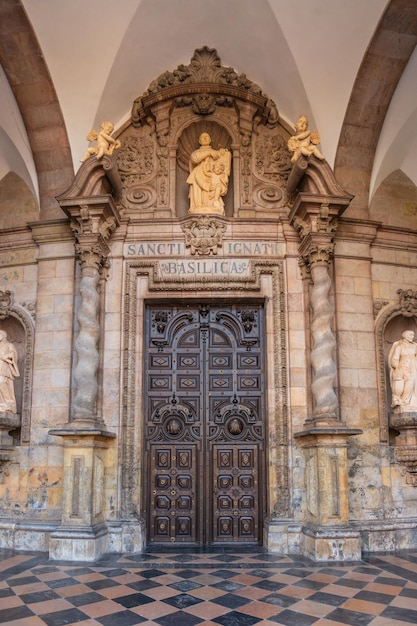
<point>326,533</point>
<point>83,534</point>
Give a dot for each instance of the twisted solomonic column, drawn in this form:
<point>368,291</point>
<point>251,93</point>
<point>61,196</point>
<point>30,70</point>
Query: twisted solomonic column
<point>316,227</point>
<point>86,344</point>
<point>325,402</point>
<point>92,226</point>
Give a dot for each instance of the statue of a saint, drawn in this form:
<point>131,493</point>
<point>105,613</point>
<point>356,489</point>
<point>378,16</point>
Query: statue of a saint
<point>8,372</point>
<point>402,361</point>
<point>209,177</point>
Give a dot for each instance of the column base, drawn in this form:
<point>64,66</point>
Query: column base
<point>282,536</point>
<point>127,537</point>
<point>79,544</point>
<point>331,544</point>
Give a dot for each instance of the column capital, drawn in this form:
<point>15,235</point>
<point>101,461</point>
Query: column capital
<point>316,219</point>
<point>92,220</point>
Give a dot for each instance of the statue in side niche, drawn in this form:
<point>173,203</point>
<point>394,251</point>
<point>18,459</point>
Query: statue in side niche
<point>402,361</point>
<point>8,372</point>
<point>209,177</point>
<point>106,144</point>
<point>305,141</point>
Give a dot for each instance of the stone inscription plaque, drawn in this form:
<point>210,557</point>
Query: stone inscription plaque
<point>208,267</point>
<point>229,248</point>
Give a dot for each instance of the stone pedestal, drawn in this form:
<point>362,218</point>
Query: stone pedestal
<point>326,535</point>
<point>405,423</point>
<point>8,422</point>
<point>83,534</point>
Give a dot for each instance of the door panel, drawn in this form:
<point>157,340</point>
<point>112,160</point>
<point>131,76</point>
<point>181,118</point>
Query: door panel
<point>204,430</point>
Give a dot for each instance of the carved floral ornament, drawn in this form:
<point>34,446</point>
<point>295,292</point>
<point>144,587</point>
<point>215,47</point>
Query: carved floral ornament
<point>408,302</point>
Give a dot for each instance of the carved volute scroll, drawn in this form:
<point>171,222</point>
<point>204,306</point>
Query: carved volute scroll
<point>167,120</point>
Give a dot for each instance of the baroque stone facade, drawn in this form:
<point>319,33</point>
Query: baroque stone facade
<point>335,292</point>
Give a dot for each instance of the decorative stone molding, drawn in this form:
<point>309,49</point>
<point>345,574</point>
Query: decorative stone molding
<point>95,178</point>
<point>279,484</point>
<point>378,305</point>
<point>185,85</point>
<point>204,234</point>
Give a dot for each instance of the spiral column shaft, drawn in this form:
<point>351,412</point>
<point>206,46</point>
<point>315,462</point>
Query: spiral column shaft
<point>325,403</point>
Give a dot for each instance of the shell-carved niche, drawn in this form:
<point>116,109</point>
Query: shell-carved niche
<point>166,123</point>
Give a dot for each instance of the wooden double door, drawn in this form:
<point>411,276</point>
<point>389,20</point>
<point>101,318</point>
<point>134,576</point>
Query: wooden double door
<point>204,424</point>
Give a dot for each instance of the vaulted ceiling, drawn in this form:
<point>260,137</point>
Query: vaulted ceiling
<point>66,65</point>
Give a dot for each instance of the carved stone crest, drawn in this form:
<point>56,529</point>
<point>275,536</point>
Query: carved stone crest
<point>204,234</point>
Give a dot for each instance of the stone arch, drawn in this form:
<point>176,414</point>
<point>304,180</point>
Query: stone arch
<point>384,62</point>
<point>34,90</point>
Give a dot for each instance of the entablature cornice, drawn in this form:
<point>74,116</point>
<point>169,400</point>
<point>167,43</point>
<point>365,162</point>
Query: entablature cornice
<point>354,229</point>
<point>50,231</point>
<point>396,237</point>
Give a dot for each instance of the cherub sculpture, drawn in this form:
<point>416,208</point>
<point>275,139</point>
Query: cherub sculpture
<point>106,144</point>
<point>304,142</point>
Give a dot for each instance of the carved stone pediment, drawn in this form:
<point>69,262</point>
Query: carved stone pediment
<point>204,84</point>
<point>167,121</point>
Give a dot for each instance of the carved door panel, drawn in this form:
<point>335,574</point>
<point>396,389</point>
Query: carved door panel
<point>235,492</point>
<point>204,429</point>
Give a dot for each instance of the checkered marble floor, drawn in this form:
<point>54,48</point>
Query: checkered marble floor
<point>186,587</point>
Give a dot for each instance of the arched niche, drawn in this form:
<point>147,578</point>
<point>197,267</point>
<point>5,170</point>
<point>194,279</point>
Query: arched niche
<point>188,142</point>
<point>391,322</point>
<point>18,323</point>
